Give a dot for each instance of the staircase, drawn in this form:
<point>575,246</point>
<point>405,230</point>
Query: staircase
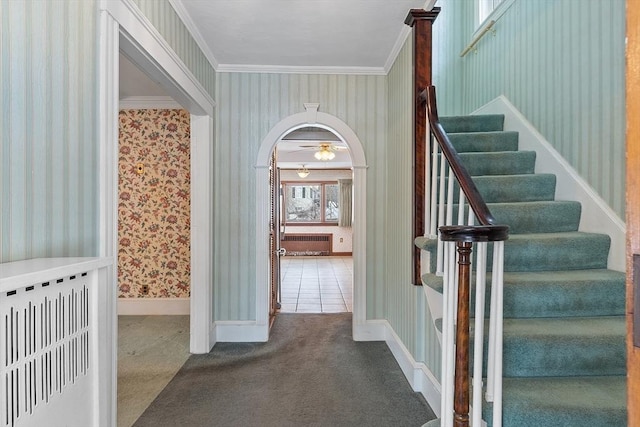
<point>564,358</point>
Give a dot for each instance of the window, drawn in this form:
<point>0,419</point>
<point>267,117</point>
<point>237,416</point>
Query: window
<point>490,10</point>
<point>315,203</point>
<point>485,7</point>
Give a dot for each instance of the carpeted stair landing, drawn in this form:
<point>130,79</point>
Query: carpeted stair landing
<point>310,373</point>
<point>564,328</point>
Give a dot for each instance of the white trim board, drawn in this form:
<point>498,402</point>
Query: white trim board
<point>240,331</point>
<point>419,376</point>
<point>124,29</point>
<point>312,116</point>
<point>149,103</point>
<point>597,216</point>
<point>153,306</point>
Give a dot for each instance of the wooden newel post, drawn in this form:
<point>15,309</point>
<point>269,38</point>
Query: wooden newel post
<point>461,397</point>
<point>422,23</point>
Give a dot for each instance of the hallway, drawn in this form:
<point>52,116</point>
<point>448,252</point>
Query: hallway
<point>310,373</point>
<point>317,284</point>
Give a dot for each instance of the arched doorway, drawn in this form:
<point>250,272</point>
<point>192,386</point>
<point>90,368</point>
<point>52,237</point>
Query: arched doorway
<point>311,117</point>
<point>311,224</point>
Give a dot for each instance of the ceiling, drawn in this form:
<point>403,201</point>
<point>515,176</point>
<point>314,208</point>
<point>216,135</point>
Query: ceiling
<point>297,148</point>
<point>135,83</point>
<point>354,36</point>
<point>290,36</point>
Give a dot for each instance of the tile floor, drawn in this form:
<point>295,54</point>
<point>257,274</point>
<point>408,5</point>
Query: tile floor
<point>317,284</point>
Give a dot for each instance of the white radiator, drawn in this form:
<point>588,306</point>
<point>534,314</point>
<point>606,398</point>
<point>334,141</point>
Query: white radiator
<point>49,338</point>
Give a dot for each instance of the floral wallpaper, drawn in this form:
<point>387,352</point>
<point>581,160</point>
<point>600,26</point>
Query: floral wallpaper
<point>154,204</point>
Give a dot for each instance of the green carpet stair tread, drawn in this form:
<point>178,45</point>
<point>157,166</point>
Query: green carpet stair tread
<point>475,123</point>
<point>510,188</point>
<point>542,251</point>
<point>516,188</point>
<point>571,293</point>
<point>499,162</point>
<point>537,217</point>
<point>555,251</point>
<point>564,326</point>
<point>534,217</point>
<point>484,141</point>
<point>563,402</point>
<point>572,346</point>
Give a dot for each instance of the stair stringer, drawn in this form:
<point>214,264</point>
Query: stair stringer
<point>597,216</point>
<point>435,302</point>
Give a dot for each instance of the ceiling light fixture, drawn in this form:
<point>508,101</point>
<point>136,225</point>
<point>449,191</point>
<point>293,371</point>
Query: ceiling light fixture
<point>303,172</point>
<point>325,153</point>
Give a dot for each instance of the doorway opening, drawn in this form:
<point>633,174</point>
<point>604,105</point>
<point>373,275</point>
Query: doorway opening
<point>264,167</point>
<point>123,32</point>
<point>314,214</point>
<point>154,241</point>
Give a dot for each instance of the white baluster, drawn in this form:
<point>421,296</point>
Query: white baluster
<point>428,183</point>
<point>449,218</point>
<point>481,277</point>
<point>461,207</point>
<point>449,332</point>
<point>434,190</point>
<point>441,218</point>
<point>498,252</point>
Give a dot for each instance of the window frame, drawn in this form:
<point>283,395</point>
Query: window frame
<point>495,14</point>
<point>323,196</point>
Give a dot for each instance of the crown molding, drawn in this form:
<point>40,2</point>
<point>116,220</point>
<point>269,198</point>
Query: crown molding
<point>178,6</point>
<point>294,69</point>
<point>149,103</point>
<point>193,30</point>
<point>397,47</point>
<point>402,38</point>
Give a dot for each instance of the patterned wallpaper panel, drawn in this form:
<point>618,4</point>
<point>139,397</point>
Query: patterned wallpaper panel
<point>154,204</point>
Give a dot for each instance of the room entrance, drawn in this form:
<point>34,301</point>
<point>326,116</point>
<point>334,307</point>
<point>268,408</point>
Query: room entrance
<point>313,118</point>
<point>311,186</point>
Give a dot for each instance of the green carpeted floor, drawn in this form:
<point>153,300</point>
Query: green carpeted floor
<point>310,373</point>
<point>564,327</point>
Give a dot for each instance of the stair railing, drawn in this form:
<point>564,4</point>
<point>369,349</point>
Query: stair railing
<point>453,223</point>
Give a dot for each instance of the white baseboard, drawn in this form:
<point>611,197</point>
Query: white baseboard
<point>417,374</point>
<point>153,306</point>
<point>370,330</point>
<point>240,331</point>
<point>597,216</point>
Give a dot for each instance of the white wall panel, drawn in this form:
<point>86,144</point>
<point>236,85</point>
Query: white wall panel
<point>561,63</point>
<point>165,19</point>
<point>48,153</point>
<point>249,106</point>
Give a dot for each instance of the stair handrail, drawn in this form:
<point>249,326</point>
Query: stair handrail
<point>467,185</point>
<point>455,243</point>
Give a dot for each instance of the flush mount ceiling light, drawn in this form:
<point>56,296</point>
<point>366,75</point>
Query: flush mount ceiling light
<point>325,153</point>
<point>303,172</point>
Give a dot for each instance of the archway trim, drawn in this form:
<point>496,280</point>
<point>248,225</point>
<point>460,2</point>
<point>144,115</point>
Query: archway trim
<point>312,117</point>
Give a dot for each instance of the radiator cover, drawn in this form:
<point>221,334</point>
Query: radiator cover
<point>307,244</point>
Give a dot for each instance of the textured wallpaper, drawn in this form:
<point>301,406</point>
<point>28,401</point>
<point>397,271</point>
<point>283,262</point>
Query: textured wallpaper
<point>154,204</point>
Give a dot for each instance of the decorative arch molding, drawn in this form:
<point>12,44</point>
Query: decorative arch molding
<point>312,117</point>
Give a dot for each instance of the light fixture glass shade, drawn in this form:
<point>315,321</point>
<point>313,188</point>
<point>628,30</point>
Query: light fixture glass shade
<point>325,153</point>
<point>303,172</point>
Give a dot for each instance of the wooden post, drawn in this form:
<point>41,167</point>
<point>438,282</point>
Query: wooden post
<point>633,212</point>
<point>461,379</point>
<point>422,23</point>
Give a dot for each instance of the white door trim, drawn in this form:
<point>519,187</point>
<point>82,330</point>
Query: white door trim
<point>124,28</point>
<point>348,136</point>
